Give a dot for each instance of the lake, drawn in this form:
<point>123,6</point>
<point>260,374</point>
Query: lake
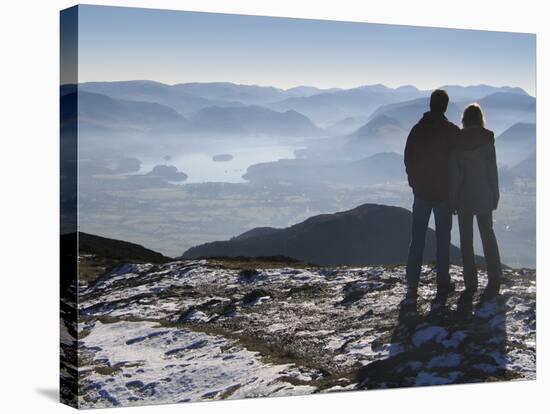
<point>200,167</point>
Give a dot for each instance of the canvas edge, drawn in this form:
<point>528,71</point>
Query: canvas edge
<point>68,207</point>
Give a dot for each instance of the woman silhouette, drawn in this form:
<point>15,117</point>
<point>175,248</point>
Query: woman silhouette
<point>473,191</point>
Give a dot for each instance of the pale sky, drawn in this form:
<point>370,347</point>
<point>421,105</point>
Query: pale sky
<point>117,43</point>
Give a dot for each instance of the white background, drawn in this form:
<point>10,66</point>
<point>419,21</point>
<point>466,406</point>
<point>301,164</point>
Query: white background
<point>29,204</point>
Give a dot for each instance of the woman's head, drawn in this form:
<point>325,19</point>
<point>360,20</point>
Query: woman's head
<point>473,116</point>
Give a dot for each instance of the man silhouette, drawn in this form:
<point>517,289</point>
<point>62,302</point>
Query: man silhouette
<point>426,158</point>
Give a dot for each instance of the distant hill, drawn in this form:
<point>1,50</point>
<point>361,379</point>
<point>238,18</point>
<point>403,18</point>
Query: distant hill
<point>475,92</point>
<point>330,107</point>
<point>526,169</point>
<point>369,234</point>
<point>516,144</point>
<point>231,92</point>
<point>504,109</point>
<point>245,94</point>
<point>377,122</point>
<point>346,126</point>
<point>119,250</point>
<point>253,120</point>
<point>308,91</point>
<point>382,133</point>
<point>408,113</point>
<point>97,110</point>
<point>509,100</point>
<point>96,256</point>
<point>150,91</point>
<point>388,128</point>
<point>523,173</point>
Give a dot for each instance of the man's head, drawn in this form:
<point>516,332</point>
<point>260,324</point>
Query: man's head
<point>439,101</point>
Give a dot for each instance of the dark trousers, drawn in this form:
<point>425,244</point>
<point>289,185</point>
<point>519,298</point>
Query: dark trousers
<point>422,211</point>
<point>490,249</point>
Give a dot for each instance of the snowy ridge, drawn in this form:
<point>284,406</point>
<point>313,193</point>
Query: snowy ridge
<point>198,330</point>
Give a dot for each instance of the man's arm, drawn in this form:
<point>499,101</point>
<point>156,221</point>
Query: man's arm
<point>411,156</point>
<point>453,136</point>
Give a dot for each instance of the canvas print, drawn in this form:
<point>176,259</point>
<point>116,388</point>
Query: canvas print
<point>255,206</point>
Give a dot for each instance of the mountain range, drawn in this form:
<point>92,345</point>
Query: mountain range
<point>190,97</point>
<point>103,113</point>
<point>325,107</point>
<point>459,93</point>
<point>330,107</point>
<point>510,115</point>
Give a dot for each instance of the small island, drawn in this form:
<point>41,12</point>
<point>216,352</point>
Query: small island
<point>222,157</point>
<point>167,172</point>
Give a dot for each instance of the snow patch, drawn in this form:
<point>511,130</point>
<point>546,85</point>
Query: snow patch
<point>429,333</point>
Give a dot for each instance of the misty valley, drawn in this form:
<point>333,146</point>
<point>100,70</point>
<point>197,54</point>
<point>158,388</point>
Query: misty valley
<point>172,167</point>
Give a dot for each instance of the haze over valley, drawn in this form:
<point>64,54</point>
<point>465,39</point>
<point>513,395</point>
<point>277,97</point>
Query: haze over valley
<point>174,166</point>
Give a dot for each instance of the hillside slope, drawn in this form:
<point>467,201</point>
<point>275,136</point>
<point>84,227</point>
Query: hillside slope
<point>366,235</point>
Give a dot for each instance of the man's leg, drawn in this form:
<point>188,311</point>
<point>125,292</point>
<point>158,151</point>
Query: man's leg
<point>443,225</point>
<point>420,218</point>
<point>490,250</point>
<point>466,225</point>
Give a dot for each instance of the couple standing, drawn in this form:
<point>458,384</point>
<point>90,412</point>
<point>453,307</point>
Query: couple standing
<point>453,171</point>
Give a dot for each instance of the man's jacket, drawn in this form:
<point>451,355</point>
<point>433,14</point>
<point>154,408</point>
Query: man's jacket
<point>427,156</point>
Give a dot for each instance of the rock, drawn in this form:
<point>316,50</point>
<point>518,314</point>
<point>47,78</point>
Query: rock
<point>255,296</point>
<point>248,275</point>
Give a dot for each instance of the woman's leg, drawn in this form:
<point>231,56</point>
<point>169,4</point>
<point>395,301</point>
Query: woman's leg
<point>466,226</point>
<point>490,250</point>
